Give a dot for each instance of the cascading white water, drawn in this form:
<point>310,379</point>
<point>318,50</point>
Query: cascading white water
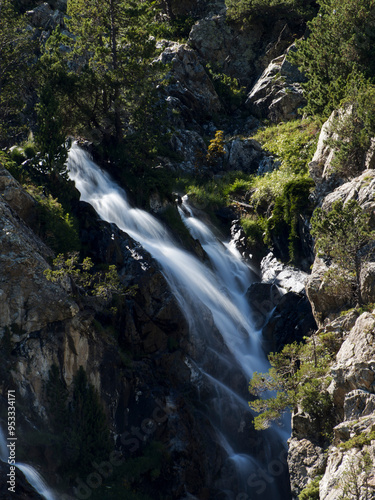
<point>215,290</point>
<point>32,476</point>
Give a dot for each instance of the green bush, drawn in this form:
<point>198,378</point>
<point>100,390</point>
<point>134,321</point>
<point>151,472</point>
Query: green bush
<point>57,228</point>
<point>228,88</point>
<point>293,201</point>
<point>311,492</point>
<point>293,145</point>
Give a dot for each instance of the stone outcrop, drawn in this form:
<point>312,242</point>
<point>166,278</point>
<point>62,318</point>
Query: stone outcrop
<point>240,54</point>
<point>277,95</point>
<point>45,18</point>
<point>347,464</point>
<point>190,87</point>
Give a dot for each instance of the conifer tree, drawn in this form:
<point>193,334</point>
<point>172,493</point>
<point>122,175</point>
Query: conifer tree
<point>112,53</point>
<point>16,59</point>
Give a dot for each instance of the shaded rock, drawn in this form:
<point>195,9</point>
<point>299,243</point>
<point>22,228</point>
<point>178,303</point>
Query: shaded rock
<point>44,17</point>
<point>290,321</point>
<point>16,197</point>
<point>358,403</point>
<point>28,301</point>
<point>263,298</point>
<point>277,94</point>
<point>239,54</point>
<point>367,282</point>
<point>190,146</point>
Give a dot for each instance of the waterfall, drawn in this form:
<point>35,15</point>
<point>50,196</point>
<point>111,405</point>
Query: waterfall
<point>32,476</point>
<point>210,293</point>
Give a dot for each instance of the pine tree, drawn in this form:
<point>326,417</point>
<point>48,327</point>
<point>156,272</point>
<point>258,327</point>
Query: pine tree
<point>16,59</point>
<point>112,53</point>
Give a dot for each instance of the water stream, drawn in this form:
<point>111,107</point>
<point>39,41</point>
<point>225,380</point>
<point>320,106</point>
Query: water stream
<point>212,296</point>
<point>31,474</point>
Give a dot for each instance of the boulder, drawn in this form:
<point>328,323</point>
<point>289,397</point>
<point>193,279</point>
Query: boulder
<point>190,87</point>
<point>277,95</point>
<point>44,17</point>
<point>326,300</point>
<point>361,189</point>
<point>287,277</point>
<point>244,155</point>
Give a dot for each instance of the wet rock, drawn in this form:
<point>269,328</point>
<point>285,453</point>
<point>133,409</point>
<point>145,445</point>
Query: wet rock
<point>23,490</point>
<point>284,276</point>
<point>290,321</point>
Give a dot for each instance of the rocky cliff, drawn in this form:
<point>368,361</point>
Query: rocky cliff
<point>139,357</point>
<point>342,467</point>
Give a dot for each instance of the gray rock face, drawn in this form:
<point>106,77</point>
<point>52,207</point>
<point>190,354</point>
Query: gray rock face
<point>27,300</point>
<point>189,84</point>
<point>355,361</point>
<point>289,278</point>
<point>237,53</point>
<point>244,155</point>
<point>277,94</point>
<point>305,460</point>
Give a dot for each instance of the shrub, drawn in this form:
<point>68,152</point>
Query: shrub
<point>228,88</point>
<point>57,228</point>
<point>311,492</point>
<point>293,201</point>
